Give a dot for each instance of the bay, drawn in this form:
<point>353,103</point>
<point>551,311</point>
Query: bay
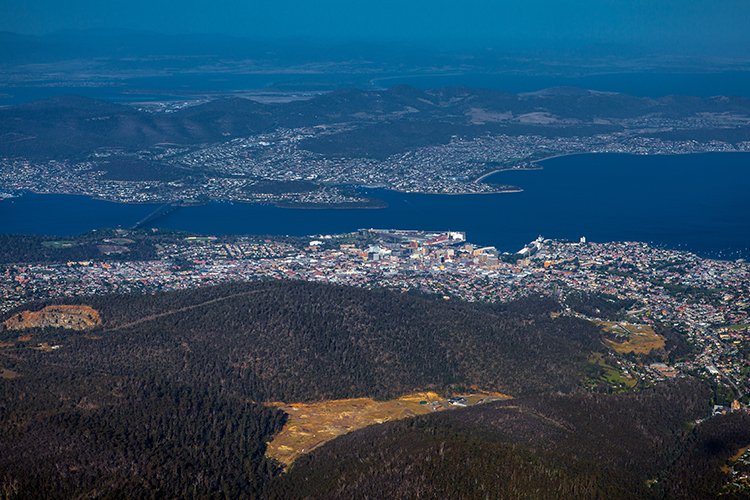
<point>693,202</point>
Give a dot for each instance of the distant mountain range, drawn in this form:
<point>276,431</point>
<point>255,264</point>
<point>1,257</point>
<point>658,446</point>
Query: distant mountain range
<point>382,122</point>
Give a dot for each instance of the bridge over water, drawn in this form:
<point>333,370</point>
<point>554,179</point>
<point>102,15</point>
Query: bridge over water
<point>160,211</point>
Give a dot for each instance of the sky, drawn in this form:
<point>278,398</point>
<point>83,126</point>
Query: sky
<point>718,25</point>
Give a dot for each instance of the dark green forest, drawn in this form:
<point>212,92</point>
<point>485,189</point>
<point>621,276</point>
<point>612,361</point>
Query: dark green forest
<point>554,446</point>
<point>165,399</point>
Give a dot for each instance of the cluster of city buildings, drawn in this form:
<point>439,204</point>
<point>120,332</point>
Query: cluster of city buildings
<point>705,301</point>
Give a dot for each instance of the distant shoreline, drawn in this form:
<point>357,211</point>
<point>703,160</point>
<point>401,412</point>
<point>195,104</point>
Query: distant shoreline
<point>377,205</point>
<point>536,167</point>
<point>585,153</point>
<point>620,153</point>
<point>508,169</point>
<point>473,193</point>
<point>332,206</point>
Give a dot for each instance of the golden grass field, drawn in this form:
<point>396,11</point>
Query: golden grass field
<point>727,467</point>
<point>641,339</point>
<point>310,425</point>
<point>739,453</point>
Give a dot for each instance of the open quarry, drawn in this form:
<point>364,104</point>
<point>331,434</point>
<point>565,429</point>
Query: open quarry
<point>71,317</point>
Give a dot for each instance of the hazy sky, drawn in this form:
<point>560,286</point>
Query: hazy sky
<point>721,24</point>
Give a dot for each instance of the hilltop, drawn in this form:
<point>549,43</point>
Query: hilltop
<point>185,385</point>
<point>553,446</point>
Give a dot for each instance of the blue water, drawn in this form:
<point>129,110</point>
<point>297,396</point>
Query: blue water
<point>694,202</point>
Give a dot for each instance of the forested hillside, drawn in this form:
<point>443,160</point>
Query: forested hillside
<point>301,341</point>
<point>388,121</point>
<point>166,397</point>
<point>556,446</point>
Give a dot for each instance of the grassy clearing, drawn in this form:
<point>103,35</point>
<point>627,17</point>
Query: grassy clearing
<point>310,425</point>
<point>739,454</point>
<point>602,372</point>
<point>631,338</point>
<point>59,244</point>
<point>46,347</point>
<point>738,463</point>
<point>119,241</point>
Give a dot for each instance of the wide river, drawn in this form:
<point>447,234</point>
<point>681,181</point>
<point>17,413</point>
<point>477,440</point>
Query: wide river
<point>695,202</point>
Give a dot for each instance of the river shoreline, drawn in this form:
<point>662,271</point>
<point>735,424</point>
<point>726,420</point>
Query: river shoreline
<point>537,162</point>
<point>570,198</point>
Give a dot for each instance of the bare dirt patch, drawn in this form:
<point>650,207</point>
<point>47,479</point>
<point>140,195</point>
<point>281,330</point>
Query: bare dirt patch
<point>310,425</point>
<point>7,374</point>
<point>71,317</point>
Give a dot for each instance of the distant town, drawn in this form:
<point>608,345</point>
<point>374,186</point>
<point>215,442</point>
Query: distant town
<point>273,168</point>
<point>664,294</point>
<point>318,152</point>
